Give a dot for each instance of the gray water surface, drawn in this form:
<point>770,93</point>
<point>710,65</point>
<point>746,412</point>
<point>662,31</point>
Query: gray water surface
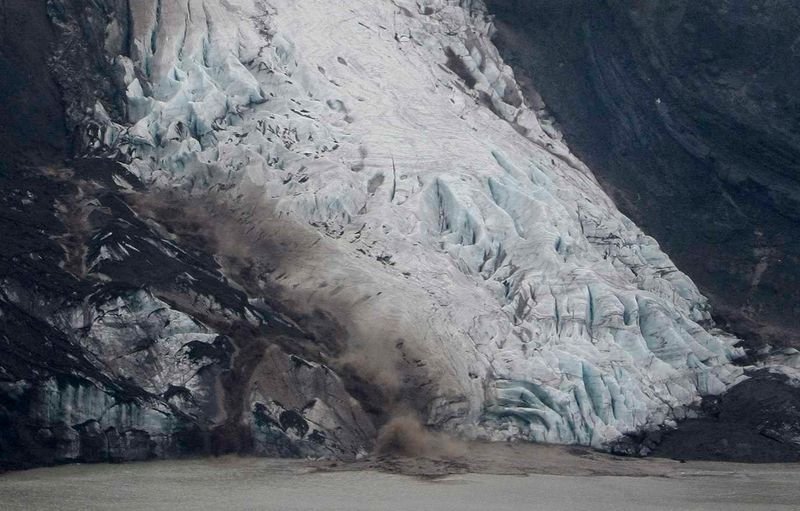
<point>256,484</point>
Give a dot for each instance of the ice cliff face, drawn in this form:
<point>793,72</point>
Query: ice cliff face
<point>373,167</point>
<point>445,220</point>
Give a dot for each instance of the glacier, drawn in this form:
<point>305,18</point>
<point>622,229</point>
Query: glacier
<point>375,162</point>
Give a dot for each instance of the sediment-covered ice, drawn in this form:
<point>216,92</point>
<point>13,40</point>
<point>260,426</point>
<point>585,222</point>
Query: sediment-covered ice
<point>477,268</point>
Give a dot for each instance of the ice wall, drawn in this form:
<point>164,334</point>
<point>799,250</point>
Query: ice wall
<point>479,272</point>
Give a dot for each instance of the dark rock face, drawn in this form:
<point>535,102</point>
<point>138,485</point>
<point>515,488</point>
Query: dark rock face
<point>756,421</point>
<point>33,121</point>
<point>687,112</point>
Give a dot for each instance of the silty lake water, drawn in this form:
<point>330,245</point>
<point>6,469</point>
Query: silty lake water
<point>232,484</point>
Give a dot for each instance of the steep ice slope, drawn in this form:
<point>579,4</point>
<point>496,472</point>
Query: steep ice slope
<point>384,153</point>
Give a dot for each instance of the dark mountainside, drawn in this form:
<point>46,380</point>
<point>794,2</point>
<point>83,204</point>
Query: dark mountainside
<point>689,115</point>
<point>33,126</point>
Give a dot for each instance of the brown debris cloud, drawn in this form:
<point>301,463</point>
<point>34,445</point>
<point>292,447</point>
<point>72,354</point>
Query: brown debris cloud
<point>405,435</point>
<point>249,239</point>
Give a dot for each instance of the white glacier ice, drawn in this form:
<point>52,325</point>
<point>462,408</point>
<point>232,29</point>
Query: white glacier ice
<point>480,272</point>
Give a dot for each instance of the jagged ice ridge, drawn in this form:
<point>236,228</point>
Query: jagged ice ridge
<point>476,266</point>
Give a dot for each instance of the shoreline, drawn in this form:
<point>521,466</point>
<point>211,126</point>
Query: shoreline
<point>555,480</point>
<point>478,458</point>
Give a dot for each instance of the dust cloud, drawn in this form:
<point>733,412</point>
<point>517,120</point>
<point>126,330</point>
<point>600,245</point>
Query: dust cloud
<point>255,247</point>
<point>405,435</point>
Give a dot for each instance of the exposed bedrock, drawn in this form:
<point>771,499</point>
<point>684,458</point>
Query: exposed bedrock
<point>33,126</point>
<point>687,113</point>
<point>756,421</point>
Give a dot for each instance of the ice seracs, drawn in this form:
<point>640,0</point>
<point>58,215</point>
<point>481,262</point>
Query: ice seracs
<point>477,269</point>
